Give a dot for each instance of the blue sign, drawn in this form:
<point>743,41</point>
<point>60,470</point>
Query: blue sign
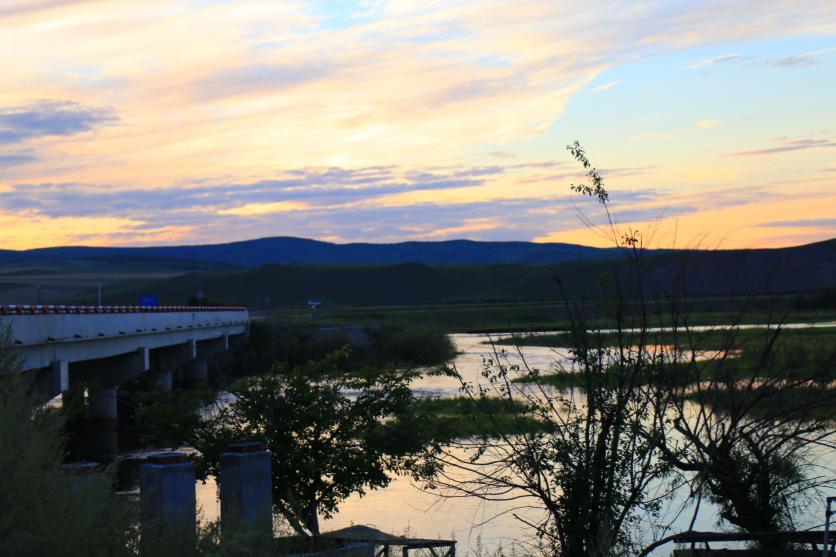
<point>148,300</point>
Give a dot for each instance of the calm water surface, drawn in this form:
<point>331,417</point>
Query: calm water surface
<point>407,507</point>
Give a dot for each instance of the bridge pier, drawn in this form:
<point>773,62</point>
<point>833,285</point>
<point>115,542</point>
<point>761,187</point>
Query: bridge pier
<point>112,371</point>
<point>198,372</point>
<point>53,380</point>
<point>100,350</point>
<point>167,503</point>
<point>246,488</point>
<point>103,405</point>
<point>167,359</point>
<point>163,380</point>
<point>60,371</point>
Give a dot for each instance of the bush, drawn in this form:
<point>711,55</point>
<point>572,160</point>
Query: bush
<point>44,511</point>
<point>379,346</point>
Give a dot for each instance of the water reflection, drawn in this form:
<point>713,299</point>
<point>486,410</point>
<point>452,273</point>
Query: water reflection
<point>468,519</point>
<point>403,505</point>
<point>473,522</point>
<point>472,350</point>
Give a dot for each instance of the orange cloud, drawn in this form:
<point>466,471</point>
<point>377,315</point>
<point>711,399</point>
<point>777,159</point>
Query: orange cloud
<point>219,93</point>
<point>253,209</point>
<point>721,226</point>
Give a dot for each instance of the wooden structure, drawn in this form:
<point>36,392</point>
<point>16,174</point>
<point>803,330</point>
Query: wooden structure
<point>814,539</point>
<point>383,542</point>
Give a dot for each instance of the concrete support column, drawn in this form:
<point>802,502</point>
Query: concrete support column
<point>102,404</point>
<point>246,487</point>
<point>52,380</point>
<point>198,372</point>
<point>112,371</point>
<point>61,371</point>
<point>167,502</point>
<point>162,379</point>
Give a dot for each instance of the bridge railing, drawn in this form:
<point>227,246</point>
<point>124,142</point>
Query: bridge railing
<point>60,309</point>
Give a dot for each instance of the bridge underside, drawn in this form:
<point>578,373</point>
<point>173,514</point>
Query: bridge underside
<point>190,360</point>
<point>109,348</point>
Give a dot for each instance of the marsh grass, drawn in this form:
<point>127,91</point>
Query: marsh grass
<point>390,345</point>
<point>801,403</point>
<point>461,417</point>
<point>715,339</point>
<point>800,354</point>
<point>43,510</point>
<point>509,317</point>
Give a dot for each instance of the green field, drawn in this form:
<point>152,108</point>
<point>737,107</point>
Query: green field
<point>795,354</point>
<point>460,417</point>
<point>451,298</point>
<point>702,340</point>
<point>76,281</point>
<point>515,317</point>
<point>717,275</point>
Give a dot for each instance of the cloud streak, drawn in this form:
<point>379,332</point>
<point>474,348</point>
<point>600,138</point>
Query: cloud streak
<point>50,118</point>
<point>259,79</point>
<point>788,145</point>
<point>296,189</point>
<point>16,159</point>
<point>338,202</point>
<point>800,60</point>
<point>321,118</point>
<point>724,59</point>
<point>605,86</point>
<point>705,124</point>
<point>803,223</point>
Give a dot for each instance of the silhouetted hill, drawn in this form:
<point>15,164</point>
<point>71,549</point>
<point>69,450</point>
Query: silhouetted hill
<point>782,270</point>
<point>288,250</point>
<point>697,273</point>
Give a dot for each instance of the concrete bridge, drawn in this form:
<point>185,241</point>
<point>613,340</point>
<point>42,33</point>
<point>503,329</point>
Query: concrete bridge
<point>107,346</point>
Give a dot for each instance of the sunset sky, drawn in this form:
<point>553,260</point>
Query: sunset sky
<point>202,121</point>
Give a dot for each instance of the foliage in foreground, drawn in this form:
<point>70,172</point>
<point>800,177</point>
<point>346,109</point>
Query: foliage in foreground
<point>386,345</point>
<point>331,434</point>
<point>44,511</point>
<point>632,412</point>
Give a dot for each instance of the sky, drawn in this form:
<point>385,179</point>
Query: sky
<point>205,121</point>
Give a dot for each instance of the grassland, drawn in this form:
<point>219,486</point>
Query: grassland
<point>460,417</point>
<point>715,339</point>
<point>501,317</point>
<point>76,281</point>
<point>797,354</point>
<point>449,298</point>
<point>715,279</point>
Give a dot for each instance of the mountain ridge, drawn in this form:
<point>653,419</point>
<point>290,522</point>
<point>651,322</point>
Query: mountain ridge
<point>293,250</point>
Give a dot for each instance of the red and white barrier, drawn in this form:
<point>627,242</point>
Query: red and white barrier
<point>45,310</point>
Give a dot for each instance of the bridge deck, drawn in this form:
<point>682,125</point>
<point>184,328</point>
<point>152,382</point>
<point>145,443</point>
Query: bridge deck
<point>44,334</point>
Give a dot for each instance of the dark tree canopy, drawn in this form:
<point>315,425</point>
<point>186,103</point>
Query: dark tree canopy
<point>331,434</point>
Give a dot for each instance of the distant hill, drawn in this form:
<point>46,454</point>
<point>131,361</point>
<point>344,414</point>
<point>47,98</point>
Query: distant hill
<point>56,281</point>
<point>288,250</point>
<point>763,271</point>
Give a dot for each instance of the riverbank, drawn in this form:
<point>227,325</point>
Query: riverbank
<point>699,355</point>
<point>506,317</point>
<point>717,337</point>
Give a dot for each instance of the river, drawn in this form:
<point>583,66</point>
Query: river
<point>480,527</point>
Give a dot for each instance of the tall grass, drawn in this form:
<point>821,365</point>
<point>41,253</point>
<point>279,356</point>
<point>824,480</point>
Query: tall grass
<point>371,346</point>
<point>43,510</point>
